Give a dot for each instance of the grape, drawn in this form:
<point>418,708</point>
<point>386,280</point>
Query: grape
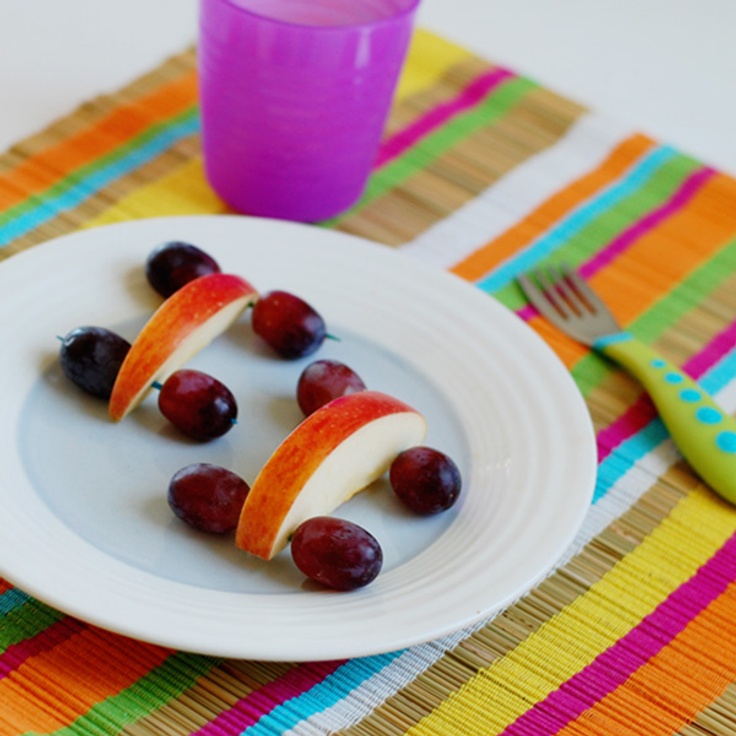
<point>336,553</point>
<point>288,324</point>
<point>207,497</point>
<point>174,264</point>
<point>197,404</point>
<point>91,358</point>
<point>426,480</point>
<point>324,380</point>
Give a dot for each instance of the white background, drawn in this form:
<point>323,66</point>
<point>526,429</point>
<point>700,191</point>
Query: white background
<point>666,66</point>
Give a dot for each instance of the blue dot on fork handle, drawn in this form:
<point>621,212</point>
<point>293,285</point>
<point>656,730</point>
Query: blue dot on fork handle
<point>708,415</point>
<point>673,378</point>
<point>690,395</point>
<point>726,441</point>
<point>658,363</point>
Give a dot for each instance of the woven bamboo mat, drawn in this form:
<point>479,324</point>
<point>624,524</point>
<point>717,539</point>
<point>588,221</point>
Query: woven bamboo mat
<point>482,172</point>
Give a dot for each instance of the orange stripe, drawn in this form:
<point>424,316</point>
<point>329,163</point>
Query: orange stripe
<point>569,351</point>
<point>676,684</point>
<point>543,217</point>
<point>81,671</point>
<point>688,239</point>
<point>5,586</point>
<point>39,172</point>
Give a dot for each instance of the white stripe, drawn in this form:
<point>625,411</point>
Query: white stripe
<point>584,147</point>
<point>376,689</point>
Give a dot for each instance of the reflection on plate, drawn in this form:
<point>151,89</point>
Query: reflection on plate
<point>86,526</point>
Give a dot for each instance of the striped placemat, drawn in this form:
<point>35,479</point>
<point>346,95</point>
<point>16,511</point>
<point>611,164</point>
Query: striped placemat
<point>483,172</point>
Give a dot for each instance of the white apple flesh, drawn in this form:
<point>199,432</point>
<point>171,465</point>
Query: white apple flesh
<point>184,324</point>
<point>335,452</point>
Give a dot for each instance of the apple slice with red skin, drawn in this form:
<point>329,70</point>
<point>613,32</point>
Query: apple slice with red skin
<point>184,324</point>
<point>335,452</point>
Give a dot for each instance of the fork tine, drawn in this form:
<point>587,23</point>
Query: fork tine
<point>552,287</point>
<point>568,286</point>
<point>556,291</point>
<point>562,296</point>
<point>530,285</point>
<point>535,285</point>
<point>591,300</point>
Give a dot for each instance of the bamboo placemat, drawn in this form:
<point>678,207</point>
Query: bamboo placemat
<point>482,172</point>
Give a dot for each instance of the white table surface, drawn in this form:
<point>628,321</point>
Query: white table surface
<point>667,66</point>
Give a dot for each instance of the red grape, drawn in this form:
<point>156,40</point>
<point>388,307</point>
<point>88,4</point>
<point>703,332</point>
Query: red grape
<point>207,497</point>
<point>174,264</point>
<point>336,553</point>
<point>197,404</point>
<point>288,324</point>
<point>324,380</point>
<point>91,358</point>
<point>426,480</point>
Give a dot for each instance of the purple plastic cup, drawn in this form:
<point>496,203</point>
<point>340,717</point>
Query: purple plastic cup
<point>294,96</point>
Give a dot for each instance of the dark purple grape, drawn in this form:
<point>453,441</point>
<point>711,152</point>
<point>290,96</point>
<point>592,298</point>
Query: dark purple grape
<point>426,480</point>
<point>324,380</point>
<point>91,358</point>
<point>336,553</point>
<point>174,264</point>
<point>288,324</point>
<point>207,497</point>
<point>197,404</point>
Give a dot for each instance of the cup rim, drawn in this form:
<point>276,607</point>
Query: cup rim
<point>405,12</point>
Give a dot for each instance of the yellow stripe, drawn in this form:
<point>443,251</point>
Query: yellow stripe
<point>186,192</point>
<point>428,60</point>
<point>183,192</point>
<point>697,527</point>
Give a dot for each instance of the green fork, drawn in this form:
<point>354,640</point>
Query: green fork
<point>705,434</point>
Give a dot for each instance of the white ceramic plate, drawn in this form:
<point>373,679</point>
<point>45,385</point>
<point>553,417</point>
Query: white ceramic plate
<point>85,523</point>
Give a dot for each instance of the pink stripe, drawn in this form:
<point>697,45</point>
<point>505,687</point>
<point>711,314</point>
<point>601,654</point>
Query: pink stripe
<point>527,312</point>
<point>690,187</point>
<point>711,353</point>
<point>633,420</point>
<point>468,97</point>
<point>614,666</point>
<point>642,411</point>
<point>253,707</point>
<point>17,654</point>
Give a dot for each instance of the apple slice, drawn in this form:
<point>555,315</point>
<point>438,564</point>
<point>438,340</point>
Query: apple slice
<point>335,452</point>
<point>184,324</point>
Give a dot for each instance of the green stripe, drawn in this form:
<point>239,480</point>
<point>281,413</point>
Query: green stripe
<point>25,622</point>
<point>686,295</point>
<point>160,686</point>
<point>432,146</point>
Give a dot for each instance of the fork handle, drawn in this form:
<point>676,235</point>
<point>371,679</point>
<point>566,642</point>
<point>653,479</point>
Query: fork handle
<point>705,434</point>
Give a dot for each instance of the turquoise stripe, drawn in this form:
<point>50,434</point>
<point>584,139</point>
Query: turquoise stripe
<point>580,218</point>
<point>626,455</point>
<point>646,440</point>
<point>334,688</point>
<point>12,599</point>
<point>97,179</point>
<point>616,337</point>
<point>720,374</point>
